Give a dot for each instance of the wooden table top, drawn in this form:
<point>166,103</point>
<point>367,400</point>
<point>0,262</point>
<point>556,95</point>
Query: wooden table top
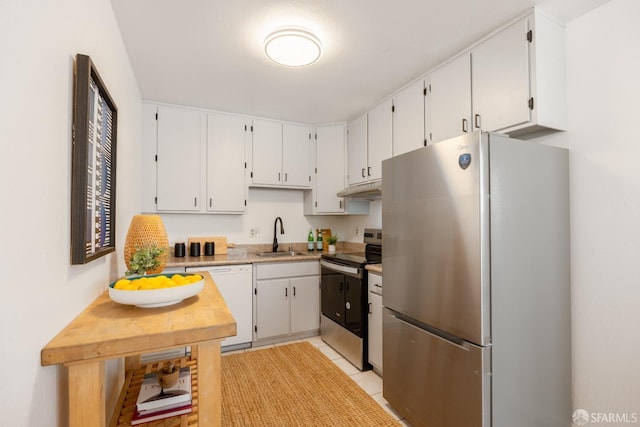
<point>106,329</point>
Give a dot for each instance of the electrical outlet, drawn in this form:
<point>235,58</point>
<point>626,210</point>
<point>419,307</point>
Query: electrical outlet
<point>357,231</point>
<point>254,232</point>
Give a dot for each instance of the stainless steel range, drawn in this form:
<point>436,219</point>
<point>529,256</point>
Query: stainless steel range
<point>343,290</point>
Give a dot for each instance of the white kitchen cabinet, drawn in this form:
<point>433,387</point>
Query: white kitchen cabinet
<point>305,303</point>
<point>226,186</point>
<point>328,163</point>
<point>235,283</point>
<point>296,149</point>
<point>408,118</point>
<point>272,308</point>
<point>375,321</point>
<point>266,152</point>
<point>286,300</point>
<point>519,78</point>
<point>280,154</point>
<point>180,140</point>
<point>357,150</point>
<point>450,99</point>
<point>379,138</point>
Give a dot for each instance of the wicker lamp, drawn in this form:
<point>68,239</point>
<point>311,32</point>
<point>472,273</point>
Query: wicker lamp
<point>146,230</point>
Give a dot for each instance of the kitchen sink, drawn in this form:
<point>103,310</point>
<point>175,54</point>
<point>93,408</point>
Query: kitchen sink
<point>280,254</point>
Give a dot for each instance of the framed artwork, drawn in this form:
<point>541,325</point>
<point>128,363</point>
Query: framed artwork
<point>93,166</point>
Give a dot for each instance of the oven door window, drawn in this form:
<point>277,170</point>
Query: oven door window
<point>332,292</point>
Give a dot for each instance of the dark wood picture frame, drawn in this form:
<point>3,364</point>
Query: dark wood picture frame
<point>93,167</point>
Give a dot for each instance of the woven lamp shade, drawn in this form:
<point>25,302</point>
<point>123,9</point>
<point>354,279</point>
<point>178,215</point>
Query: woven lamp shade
<point>146,230</point>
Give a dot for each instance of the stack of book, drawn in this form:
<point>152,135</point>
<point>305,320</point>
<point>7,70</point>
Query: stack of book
<point>155,403</point>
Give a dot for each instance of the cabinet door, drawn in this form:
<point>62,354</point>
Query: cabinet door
<point>357,150</point>
<point>305,304</point>
<point>450,92</point>
<point>267,152</point>
<point>330,169</point>
<point>180,141</point>
<point>226,187</point>
<point>501,79</point>
<point>408,118</point>
<point>272,308</point>
<point>375,330</point>
<point>380,136</point>
<point>296,149</point>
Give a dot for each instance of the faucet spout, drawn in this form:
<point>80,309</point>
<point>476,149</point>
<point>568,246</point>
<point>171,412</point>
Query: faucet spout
<point>274,248</point>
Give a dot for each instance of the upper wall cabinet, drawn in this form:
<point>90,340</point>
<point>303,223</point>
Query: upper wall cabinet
<point>513,83</point>
<point>449,94</point>
<point>519,78</point>
<point>193,161</point>
<point>329,178</point>
<point>280,155</point>
<point>226,162</point>
<point>379,138</point>
<point>408,118</point>
<point>181,133</point>
<point>357,150</point>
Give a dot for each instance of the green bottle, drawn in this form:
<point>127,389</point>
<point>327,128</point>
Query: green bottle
<point>319,242</point>
<point>311,243</point>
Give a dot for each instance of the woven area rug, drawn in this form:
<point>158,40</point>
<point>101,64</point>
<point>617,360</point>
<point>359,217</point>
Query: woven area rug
<point>294,385</point>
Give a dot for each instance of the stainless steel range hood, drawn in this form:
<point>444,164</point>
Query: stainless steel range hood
<point>371,191</point>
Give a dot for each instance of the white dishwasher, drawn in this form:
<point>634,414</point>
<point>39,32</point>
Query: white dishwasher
<point>235,283</point>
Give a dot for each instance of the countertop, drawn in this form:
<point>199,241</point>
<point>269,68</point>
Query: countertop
<point>374,268</point>
<point>247,254</point>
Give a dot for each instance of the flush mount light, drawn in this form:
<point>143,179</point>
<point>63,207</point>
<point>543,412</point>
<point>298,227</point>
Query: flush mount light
<point>292,47</point>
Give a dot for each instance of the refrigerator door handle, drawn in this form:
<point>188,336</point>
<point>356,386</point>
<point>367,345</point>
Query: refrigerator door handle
<point>458,342</point>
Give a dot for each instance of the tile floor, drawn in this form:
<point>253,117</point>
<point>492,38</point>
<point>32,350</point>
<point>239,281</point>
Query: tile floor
<point>368,380</point>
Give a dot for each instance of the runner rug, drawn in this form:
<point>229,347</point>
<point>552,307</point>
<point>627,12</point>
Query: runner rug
<point>294,385</point>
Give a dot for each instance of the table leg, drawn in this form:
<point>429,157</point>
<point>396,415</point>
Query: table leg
<point>86,394</point>
<point>209,385</point>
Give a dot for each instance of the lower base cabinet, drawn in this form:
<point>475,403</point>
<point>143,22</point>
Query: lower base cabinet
<point>286,299</point>
<point>375,321</point>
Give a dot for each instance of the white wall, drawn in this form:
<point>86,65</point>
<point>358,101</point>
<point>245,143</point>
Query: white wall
<point>40,291</point>
<point>604,111</point>
<point>263,207</point>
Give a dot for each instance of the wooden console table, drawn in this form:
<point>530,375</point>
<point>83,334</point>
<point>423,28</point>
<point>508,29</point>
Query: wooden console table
<point>108,330</point>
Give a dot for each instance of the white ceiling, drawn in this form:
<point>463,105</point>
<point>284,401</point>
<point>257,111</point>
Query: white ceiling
<point>209,53</point>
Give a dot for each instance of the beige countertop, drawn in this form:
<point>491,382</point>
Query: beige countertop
<point>247,254</point>
<point>374,268</point>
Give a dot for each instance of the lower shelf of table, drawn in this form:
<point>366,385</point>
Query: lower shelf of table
<point>133,380</point>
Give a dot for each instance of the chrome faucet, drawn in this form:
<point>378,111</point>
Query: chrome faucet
<point>275,238</point>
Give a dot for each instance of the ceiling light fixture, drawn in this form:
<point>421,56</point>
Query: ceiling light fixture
<point>292,47</point>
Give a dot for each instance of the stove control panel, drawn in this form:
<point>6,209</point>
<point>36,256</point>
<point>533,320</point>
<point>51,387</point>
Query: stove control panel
<point>373,236</point>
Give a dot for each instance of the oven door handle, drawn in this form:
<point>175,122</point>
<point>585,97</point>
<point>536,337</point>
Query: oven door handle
<point>341,268</point>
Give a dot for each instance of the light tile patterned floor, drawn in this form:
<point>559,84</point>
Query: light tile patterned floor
<point>368,380</point>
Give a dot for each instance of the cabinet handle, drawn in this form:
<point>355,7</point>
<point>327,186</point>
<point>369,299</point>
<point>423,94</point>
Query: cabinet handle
<point>464,126</point>
<point>294,291</point>
<point>210,201</point>
<point>286,292</point>
<point>369,309</point>
<point>477,121</point>
<point>285,177</point>
<point>363,173</point>
<point>368,170</point>
<point>195,202</point>
<point>340,204</point>
<point>278,176</point>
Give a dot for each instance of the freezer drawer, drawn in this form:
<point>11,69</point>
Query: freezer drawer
<point>421,367</point>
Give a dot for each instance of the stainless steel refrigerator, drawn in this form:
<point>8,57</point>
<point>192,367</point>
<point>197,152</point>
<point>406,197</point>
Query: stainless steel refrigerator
<point>476,328</point>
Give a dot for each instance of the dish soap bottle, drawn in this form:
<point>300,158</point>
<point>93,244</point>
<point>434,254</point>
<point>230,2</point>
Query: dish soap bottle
<point>310,241</point>
<point>319,241</point>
